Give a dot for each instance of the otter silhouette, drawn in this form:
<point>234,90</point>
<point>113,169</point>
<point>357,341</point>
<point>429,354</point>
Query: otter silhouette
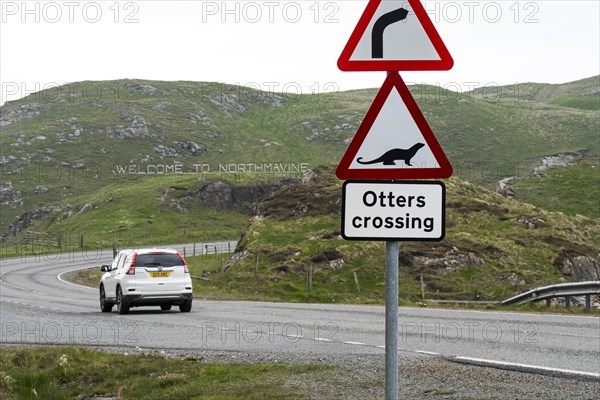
<point>390,156</point>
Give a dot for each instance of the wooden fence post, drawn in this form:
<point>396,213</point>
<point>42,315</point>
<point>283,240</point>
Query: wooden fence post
<point>356,282</point>
<point>256,267</point>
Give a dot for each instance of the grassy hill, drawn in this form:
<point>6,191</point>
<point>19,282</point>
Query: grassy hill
<point>493,249</point>
<point>573,190</point>
<point>81,143</point>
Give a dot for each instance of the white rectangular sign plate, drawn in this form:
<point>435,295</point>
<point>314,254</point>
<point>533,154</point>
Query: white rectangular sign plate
<point>400,210</point>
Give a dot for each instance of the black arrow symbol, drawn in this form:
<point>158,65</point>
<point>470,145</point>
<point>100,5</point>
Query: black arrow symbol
<point>383,22</point>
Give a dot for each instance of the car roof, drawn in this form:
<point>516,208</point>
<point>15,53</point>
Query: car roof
<point>150,251</point>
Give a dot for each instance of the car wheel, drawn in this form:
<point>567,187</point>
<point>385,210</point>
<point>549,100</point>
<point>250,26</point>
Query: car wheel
<point>165,307</point>
<point>105,306</point>
<point>186,307</point>
<point>122,305</point>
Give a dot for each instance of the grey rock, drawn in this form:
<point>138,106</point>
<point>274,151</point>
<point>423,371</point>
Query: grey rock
<point>165,151</point>
<point>86,208</point>
<point>194,148</point>
<point>27,219</point>
<point>37,191</point>
<point>223,196</point>
<point>504,190</point>
<point>451,262</point>
<point>578,266</point>
<point>8,196</point>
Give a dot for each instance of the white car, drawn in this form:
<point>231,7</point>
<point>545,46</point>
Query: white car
<point>147,277</point>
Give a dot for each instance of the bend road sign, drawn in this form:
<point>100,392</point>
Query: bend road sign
<point>385,210</point>
<point>395,36</point>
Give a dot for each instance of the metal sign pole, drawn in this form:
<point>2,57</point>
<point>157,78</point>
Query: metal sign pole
<point>391,320</point>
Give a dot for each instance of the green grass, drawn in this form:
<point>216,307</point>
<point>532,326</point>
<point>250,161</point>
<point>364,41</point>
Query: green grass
<point>84,373</point>
<point>133,213</point>
<point>582,102</point>
<point>572,190</point>
<point>512,258</point>
<point>262,284</point>
<point>492,139</point>
<point>490,251</point>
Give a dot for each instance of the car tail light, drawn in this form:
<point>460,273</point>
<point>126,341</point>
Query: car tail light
<point>131,270</point>
<point>185,267</point>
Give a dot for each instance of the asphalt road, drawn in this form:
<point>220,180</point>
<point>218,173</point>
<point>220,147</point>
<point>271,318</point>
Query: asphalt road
<point>37,306</point>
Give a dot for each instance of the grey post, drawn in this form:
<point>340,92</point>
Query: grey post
<point>391,320</point>
<point>588,303</point>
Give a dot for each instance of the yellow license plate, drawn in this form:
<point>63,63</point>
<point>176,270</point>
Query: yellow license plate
<point>160,274</point>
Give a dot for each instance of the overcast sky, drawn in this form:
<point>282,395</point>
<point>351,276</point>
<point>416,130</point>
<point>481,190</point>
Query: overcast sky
<point>283,45</point>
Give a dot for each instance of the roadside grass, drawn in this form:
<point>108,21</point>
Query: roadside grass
<point>494,248</point>
<point>265,284</point>
<point>57,373</point>
<point>507,248</point>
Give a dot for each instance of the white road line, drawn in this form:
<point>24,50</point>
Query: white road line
<point>356,343</point>
<point>488,312</point>
<point>430,353</point>
<point>526,366</point>
<point>320,339</point>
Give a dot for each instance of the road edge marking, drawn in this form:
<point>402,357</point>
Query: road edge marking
<point>537,369</point>
<point>59,277</point>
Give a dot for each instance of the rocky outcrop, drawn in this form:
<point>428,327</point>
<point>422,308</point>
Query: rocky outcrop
<point>504,190</point>
<point>233,100</point>
<point>8,196</point>
<point>318,195</point>
<point>40,214</point>
<point>27,219</point>
<point>577,266</point>
<point>556,160</point>
<point>192,147</point>
<point>13,112</point>
<point>223,196</point>
<point>551,161</point>
<point>451,261</point>
<point>39,189</point>
<point>531,221</point>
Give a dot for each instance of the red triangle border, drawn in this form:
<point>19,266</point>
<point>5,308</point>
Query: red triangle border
<point>343,170</point>
<point>445,63</point>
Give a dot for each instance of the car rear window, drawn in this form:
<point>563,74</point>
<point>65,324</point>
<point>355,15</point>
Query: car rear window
<point>164,260</point>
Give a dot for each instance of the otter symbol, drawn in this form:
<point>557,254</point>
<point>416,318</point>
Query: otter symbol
<point>390,156</point>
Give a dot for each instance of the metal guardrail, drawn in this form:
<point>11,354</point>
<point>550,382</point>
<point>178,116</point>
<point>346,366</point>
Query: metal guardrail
<point>566,290</point>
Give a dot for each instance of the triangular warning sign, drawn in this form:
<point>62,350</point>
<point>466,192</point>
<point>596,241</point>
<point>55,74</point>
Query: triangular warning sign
<point>394,140</point>
<point>395,36</point>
